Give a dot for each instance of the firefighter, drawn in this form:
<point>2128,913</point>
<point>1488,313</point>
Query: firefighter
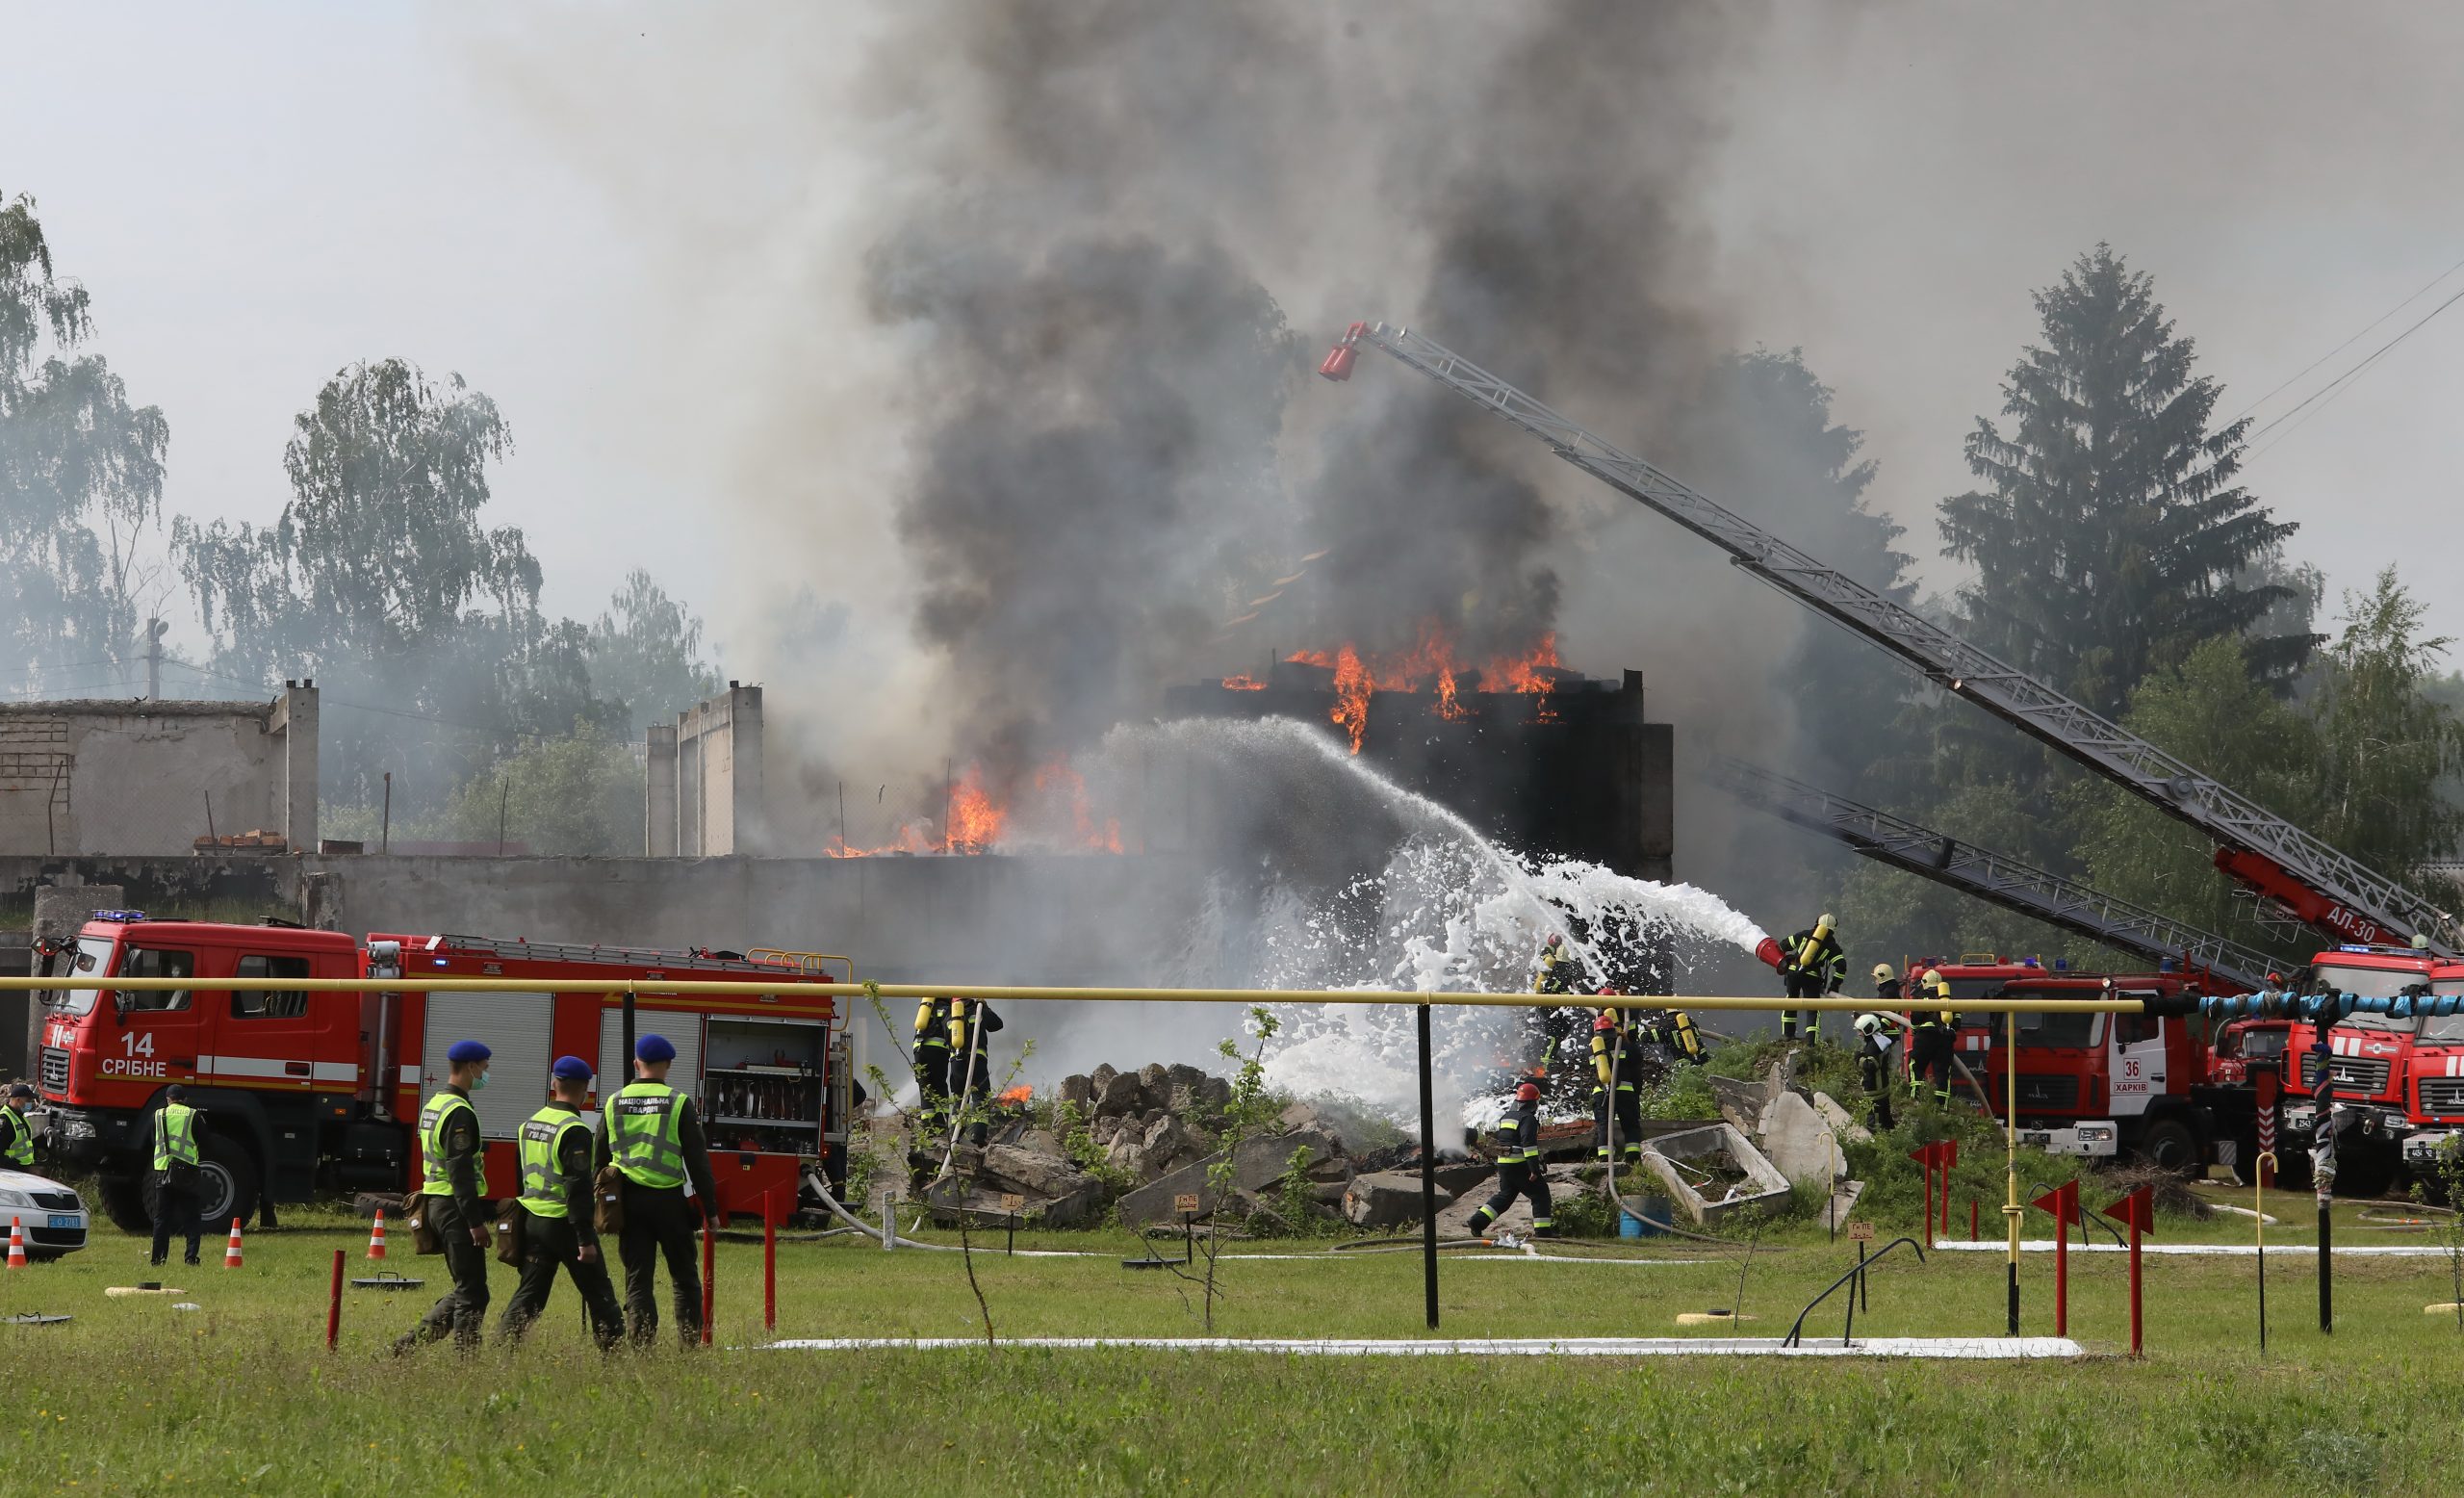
<point>932,1062</point>
<point>971,1022</point>
<point>1877,1028</point>
<point>1560,972</point>
<point>1520,1170</point>
<point>1615,1093</point>
<point>1674,1031</point>
<point>16,1131</point>
<point>455,1178</point>
<point>653,1138</point>
<point>1816,964</point>
<point>556,1147</point>
<point>1929,1041</point>
<point>177,1164</point>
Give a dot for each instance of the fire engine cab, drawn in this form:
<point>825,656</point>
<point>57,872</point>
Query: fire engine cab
<point>311,1093</point>
<point>2367,1059</point>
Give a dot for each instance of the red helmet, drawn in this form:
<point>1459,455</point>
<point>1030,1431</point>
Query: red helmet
<point>1606,1022</point>
<point>1528,1092</point>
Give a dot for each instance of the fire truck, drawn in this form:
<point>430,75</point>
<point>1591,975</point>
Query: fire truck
<point>2434,1076</point>
<point>2368,1059</point>
<point>305,1094</point>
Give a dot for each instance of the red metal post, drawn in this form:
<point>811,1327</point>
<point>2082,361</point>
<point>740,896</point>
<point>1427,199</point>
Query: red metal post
<point>2061,1274</point>
<point>334,1305</point>
<point>1929,1200</point>
<point>2133,1285</point>
<point>769,1267</point>
<point>710,1274</point>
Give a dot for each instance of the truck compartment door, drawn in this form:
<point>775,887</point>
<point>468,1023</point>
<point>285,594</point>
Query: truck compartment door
<point>2136,1063</point>
<point>518,1029</point>
<point>683,1031</point>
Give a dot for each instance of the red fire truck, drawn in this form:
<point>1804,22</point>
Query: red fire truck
<point>311,1093</point>
<point>2434,1076</point>
<point>2094,1083</point>
<point>2368,1060</point>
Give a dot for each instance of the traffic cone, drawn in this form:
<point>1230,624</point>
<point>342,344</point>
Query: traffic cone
<point>16,1243</point>
<point>231,1255</point>
<point>377,1238</point>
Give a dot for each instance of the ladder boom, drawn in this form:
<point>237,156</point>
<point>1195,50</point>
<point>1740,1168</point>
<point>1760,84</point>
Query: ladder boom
<point>2357,904</point>
<point>1991,877</point>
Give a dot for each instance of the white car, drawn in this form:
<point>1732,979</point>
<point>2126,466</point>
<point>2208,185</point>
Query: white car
<point>54,1218</point>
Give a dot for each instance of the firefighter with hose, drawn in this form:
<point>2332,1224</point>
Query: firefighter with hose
<point>1616,1045</point>
<point>1816,964</point>
<point>455,1179</point>
<point>1673,1031</point>
<point>556,1147</point>
<point>932,1058</point>
<point>971,1024</point>
<point>1520,1170</point>
<point>1560,972</point>
<point>653,1138</point>
<point>1929,1041</point>
<point>1877,1029</point>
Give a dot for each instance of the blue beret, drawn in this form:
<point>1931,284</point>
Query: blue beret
<point>571,1069</point>
<point>654,1049</point>
<point>463,1052</point>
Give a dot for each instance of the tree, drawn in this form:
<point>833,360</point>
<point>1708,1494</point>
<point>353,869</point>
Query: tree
<point>2387,742</point>
<point>579,795</point>
<point>2111,535</point>
<point>81,475</point>
<point>646,653</point>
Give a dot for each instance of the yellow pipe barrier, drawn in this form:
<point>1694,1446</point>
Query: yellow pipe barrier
<point>655,987</point>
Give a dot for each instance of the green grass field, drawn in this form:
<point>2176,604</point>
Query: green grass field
<point>241,1395</point>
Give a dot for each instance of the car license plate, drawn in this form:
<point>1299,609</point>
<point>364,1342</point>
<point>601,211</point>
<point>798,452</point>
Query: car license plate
<point>67,1220</point>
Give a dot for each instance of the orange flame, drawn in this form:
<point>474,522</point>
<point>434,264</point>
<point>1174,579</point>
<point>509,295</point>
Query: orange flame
<point>975,819</point>
<point>1244,684</point>
<point>1058,781</point>
<point>1428,664</point>
<point>1016,1096</point>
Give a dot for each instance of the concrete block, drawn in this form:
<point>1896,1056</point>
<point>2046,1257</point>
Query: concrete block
<point>1256,1164</point>
<point>1712,1170</point>
<point>1798,1143</point>
<point>1841,1123</point>
<point>1387,1199</point>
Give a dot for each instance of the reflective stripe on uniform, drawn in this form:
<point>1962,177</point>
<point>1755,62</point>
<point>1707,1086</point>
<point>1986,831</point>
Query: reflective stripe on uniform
<point>175,1136</point>
<point>646,1134</point>
<point>21,1141</point>
<point>436,1181</point>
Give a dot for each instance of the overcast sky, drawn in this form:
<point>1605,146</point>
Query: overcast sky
<point>257,195</point>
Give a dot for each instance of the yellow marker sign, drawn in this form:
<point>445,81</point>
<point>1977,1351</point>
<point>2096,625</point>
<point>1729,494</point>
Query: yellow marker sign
<point>1012,1204</point>
<point>1186,1203</point>
<point>1861,1233</point>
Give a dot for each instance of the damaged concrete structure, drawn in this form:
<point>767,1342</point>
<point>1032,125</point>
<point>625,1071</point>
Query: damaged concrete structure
<point>702,793</point>
<point>152,777</point>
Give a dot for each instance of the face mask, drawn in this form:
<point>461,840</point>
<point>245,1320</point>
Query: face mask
<point>480,1083</point>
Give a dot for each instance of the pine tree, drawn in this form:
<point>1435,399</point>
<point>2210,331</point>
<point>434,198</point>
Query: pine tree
<point>2110,540</point>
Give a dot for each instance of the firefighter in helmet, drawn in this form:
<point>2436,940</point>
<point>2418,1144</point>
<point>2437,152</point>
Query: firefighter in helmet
<point>1877,1029</point>
<point>969,1026</point>
<point>1520,1170</point>
<point>652,1136</point>
<point>1560,972</point>
<point>1673,1032</point>
<point>1929,1041</point>
<point>1816,964</point>
<point>932,1057</point>
<point>1616,1097</point>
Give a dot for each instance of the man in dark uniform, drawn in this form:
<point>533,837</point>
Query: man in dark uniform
<point>1817,965</point>
<point>454,1174</point>
<point>1877,1028</point>
<point>1929,1043</point>
<point>1520,1170</point>
<point>177,1164</point>
<point>556,1203</point>
<point>1616,1045</point>
<point>16,1131</point>
<point>653,1138</point>
<point>971,1024</point>
<point>932,1063</point>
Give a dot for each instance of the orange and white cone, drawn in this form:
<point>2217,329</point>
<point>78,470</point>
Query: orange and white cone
<point>16,1243</point>
<point>377,1237</point>
<point>231,1255</point>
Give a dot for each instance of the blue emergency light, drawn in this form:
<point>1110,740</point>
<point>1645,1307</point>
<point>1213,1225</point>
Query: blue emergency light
<point>122,917</point>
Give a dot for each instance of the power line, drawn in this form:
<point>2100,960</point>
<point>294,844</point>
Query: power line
<point>338,702</point>
<point>2350,341</point>
<point>2342,383</point>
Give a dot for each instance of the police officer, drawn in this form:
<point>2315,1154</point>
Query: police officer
<point>971,1024</point>
<point>653,1138</point>
<point>1877,1028</point>
<point>1817,965</point>
<point>454,1177</point>
<point>931,1040</point>
<point>176,1163</point>
<point>17,1130</point>
<point>1520,1170</point>
<point>1929,1043</point>
<point>1615,1046</point>
<point>556,1147</point>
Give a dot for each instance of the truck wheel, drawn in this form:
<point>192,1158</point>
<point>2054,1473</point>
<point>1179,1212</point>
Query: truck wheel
<point>127,1203</point>
<point>226,1187</point>
<point>2168,1144</point>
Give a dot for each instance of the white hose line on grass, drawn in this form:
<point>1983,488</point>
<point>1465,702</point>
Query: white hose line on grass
<point>1986,1348</point>
<point>2206,1250</point>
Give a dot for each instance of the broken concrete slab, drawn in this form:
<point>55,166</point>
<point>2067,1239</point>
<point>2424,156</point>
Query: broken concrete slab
<point>1798,1143</point>
<point>1712,1170</point>
<point>1842,1205</point>
<point>1256,1164</point>
<point>1386,1199</point>
<point>1841,1123</point>
<point>1740,1101</point>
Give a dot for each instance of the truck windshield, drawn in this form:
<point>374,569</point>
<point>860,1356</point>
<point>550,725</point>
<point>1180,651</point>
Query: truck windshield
<point>2369,983</point>
<point>2445,1029</point>
<point>2253,1045</point>
<point>92,959</point>
<point>2060,1031</point>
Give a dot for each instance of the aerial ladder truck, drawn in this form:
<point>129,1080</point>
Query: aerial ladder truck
<point>2292,875</point>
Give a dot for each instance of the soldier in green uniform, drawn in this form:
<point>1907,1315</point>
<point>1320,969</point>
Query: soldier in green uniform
<point>17,1132</point>
<point>653,1138</point>
<point>454,1172</point>
<point>555,1199</point>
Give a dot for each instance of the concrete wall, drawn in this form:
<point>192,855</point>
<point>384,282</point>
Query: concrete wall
<point>717,767</point>
<point>136,777</point>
